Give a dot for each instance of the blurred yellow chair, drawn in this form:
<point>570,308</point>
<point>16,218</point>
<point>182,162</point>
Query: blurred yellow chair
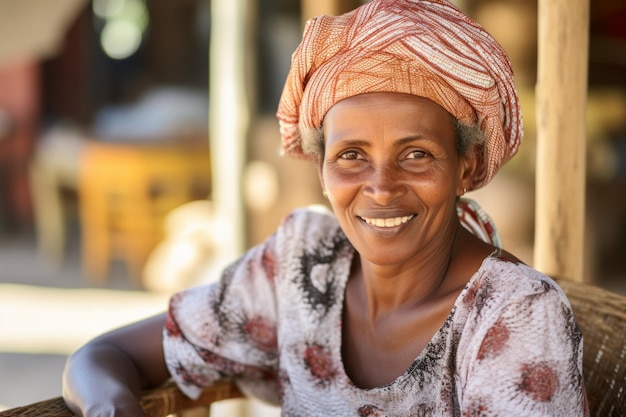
<point>125,191</point>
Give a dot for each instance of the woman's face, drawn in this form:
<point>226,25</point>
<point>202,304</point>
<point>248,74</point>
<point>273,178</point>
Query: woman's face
<point>392,174</point>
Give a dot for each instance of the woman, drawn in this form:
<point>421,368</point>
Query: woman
<point>392,304</point>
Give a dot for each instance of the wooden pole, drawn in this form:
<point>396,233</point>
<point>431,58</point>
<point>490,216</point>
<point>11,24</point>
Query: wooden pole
<point>229,120</point>
<point>232,23</point>
<point>561,100</point>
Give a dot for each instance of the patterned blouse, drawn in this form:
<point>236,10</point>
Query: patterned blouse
<point>510,346</point>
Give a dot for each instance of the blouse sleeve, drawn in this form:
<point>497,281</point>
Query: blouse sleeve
<point>227,329</point>
<point>526,360</point>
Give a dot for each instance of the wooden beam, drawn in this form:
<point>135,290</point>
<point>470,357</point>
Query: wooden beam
<point>561,94</point>
<point>312,8</point>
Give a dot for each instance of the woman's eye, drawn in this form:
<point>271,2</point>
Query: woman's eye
<point>350,155</point>
<point>416,154</point>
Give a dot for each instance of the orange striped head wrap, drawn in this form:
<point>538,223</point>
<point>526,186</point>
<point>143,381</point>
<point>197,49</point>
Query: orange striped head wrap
<point>428,48</point>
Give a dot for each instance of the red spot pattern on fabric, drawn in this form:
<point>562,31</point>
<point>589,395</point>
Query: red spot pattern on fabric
<point>269,263</point>
<point>508,259</point>
<point>470,296</point>
<point>188,377</point>
<point>172,328</point>
<point>494,341</point>
<point>282,383</point>
<point>319,363</point>
<point>220,362</point>
<point>369,411</point>
<point>476,410</point>
<point>261,333</point>
<point>539,381</point>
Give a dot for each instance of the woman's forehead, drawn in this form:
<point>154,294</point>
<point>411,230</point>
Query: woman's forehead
<point>388,118</point>
<point>397,108</point>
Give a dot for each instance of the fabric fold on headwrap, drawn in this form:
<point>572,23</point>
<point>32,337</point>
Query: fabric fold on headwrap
<point>425,48</point>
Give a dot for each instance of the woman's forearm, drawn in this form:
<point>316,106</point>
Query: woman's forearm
<point>101,380</point>
<point>106,376</point>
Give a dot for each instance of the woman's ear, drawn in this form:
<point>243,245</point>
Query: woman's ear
<point>469,165</point>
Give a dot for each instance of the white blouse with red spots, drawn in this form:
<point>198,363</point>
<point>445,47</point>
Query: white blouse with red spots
<point>510,346</point>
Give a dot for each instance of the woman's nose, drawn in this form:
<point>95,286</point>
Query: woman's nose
<point>384,184</point>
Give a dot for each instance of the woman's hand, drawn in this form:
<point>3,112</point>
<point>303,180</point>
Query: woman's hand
<point>105,377</point>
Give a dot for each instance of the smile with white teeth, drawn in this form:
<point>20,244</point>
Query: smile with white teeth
<point>390,222</point>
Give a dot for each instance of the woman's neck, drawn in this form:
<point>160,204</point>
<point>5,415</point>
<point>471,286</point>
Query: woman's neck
<point>389,288</point>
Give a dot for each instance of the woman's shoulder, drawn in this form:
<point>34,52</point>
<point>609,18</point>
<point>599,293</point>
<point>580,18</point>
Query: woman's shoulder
<point>503,278</point>
<point>507,294</point>
<point>309,230</point>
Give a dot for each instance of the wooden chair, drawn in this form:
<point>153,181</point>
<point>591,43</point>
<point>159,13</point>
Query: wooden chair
<point>159,402</point>
<point>125,192</point>
<point>601,315</point>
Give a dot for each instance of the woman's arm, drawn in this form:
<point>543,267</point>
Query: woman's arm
<point>106,376</point>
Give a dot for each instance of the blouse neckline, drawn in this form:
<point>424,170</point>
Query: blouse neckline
<point>441,333</point>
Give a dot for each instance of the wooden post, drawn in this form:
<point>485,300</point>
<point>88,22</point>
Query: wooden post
<point>229,119</point>
<point>561,101</point>
<point>230,108</point>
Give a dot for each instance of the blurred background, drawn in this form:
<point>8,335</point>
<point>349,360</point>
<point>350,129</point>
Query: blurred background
<point>109,171</point>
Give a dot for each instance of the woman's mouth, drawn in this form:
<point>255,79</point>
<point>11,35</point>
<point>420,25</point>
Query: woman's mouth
<point>388,222</point>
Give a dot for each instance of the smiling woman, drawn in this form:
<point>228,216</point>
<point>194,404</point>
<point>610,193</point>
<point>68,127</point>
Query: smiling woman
<point>399,301</point>
<point>392,158</point>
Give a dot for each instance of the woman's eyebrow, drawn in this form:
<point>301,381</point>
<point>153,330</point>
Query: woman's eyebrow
<point>409,139</point>
<point>364,142</point>
<point>353,142</point>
